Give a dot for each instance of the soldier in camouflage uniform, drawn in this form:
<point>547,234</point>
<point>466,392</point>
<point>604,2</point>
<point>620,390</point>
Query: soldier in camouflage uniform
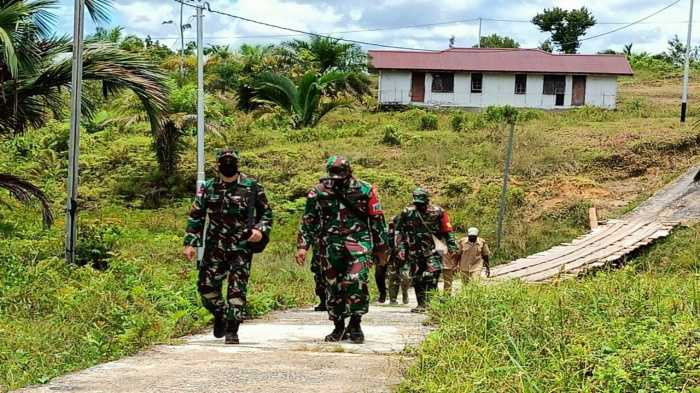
<point>227,252</point>
<point>398,271</point>
<point>344,218</point>
<point>415,229</point>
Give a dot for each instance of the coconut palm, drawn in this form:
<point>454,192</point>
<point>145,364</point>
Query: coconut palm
<point>35,73</point>
<point>304,102</point>
<point>24,191</point>
<point>35,68</point>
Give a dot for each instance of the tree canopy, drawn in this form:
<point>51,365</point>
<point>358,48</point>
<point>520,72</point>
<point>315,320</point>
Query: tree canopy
<point>498,41</point>
<point>566,26</point>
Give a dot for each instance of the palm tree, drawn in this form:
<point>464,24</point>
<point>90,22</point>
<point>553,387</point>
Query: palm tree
<point>326,54</point>
<point>23,191</point>
<point>35,72</point>
<point>304,102</point>
<point>35,68</point>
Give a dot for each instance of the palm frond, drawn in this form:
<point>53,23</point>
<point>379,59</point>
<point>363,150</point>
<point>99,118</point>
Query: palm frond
<point>277,89</point>
<point>24,191</point>
<point>99,10</point>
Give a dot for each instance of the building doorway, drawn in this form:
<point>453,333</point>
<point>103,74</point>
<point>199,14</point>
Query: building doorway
<point>578,96</point>
<point>417,87</point>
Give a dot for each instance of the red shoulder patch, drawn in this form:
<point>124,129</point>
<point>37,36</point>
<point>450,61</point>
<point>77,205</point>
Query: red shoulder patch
<point>374,207</point>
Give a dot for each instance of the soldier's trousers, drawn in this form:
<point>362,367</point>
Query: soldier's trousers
<point>425,274</point>
<point>319,280</point>
<point>347,290</point>
<point>218,265</point>
<point>398,276</point>
<point>380,278</point>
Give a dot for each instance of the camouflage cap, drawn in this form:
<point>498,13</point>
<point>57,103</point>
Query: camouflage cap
<point>227,152</point>
<point>420,196</point>
<point>338,167</point>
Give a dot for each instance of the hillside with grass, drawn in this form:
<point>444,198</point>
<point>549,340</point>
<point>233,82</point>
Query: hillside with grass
<point>632,330</point>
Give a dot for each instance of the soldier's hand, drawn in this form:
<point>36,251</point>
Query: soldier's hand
<point>190,253</point>
<point>255,236</point>
<point>402,255</point>
<point>301,256</point>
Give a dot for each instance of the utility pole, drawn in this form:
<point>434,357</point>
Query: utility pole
<point>504,192</point>
<point>478,44</point>
<point>200,105</point>
<point>182,44</point>
<point>74,137</point>
<point>684,100</point>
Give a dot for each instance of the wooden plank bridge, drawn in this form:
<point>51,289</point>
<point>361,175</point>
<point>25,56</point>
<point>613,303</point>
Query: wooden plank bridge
<point>613,241</point>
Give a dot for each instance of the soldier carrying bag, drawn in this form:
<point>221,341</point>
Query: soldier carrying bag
<point>251,212</point>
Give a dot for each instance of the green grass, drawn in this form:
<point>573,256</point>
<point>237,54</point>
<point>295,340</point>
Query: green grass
<point>632,330</point>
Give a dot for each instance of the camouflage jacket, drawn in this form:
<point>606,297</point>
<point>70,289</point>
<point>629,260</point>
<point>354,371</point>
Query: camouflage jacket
<point>226,205</point>
<point>328,221</point>
<point>414,237</point>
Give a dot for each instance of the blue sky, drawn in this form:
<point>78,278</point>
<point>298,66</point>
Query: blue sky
<point>145,17</point>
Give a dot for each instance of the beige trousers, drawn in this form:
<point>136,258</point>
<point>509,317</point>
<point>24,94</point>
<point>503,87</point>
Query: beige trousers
<point>448,276</point>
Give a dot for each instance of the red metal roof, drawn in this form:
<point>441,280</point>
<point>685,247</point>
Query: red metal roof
<point>500,60</point>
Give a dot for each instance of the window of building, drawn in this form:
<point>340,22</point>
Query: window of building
<point>443,82</point>
<point>520,84</point>
<point>477,83</point>
<point>554,84</point>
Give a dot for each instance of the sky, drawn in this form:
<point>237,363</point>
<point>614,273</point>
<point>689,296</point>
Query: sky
<point>145,17</point>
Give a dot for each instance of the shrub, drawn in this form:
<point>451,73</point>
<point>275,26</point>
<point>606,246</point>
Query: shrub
<point>392,135</point>
<point>457,121</point>
<point>428,121</point>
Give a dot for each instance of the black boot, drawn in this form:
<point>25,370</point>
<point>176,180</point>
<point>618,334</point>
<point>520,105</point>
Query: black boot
<point>338,331</point>
<point>219,325</point>
<point>356,335</point>
<point>232,332</point>
<point>382,297</point>
<point>420,296</point>
<point>321,304</point>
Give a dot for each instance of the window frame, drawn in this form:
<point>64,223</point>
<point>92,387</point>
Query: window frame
<point>481,83</point>
<point>551,90</point>
<point>522,88</point>
<point>447,78</point>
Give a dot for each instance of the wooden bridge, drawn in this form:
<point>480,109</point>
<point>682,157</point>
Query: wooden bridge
<point>677,203</point>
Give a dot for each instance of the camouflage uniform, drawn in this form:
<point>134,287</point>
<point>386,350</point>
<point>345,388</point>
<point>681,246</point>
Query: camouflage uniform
<point>226,252</point>
<point>398,271</point>
<point>319,280</point>
<point>345,241</point>
<point>415,239</point>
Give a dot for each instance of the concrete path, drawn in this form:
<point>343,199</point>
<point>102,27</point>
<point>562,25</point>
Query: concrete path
<point>283,352</point>
<point>677,203</point>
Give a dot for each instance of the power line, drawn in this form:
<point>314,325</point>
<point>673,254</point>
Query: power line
<point>310,33</point>
<point>302,32</point>
<point>401,27</point>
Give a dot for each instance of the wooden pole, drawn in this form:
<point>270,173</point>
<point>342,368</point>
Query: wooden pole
<point>593,217</point>
<point>504,191</point>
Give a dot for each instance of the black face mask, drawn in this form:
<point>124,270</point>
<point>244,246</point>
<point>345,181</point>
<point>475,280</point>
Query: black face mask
<point>228,170</point>
<point>421,207</point>
<point>472,239</point>
<point>336,184</point>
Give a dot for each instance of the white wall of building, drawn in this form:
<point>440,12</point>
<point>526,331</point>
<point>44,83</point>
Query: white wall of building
<point>395,87</point>
<point>497,89</point>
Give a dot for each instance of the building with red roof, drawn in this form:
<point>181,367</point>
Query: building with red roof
<point>480,77</point>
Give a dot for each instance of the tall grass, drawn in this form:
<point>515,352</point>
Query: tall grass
<point>634,330</point>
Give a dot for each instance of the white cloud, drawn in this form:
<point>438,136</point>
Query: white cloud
<point>145,17</point>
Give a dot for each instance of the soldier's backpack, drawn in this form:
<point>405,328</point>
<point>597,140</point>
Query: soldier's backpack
<point>251,212</point>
